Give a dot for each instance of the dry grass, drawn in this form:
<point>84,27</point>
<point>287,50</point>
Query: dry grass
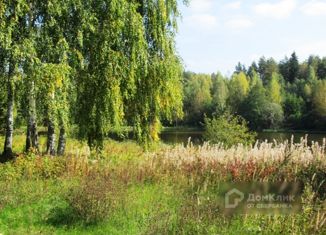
<point>258,162</point>
<point>301,153</point>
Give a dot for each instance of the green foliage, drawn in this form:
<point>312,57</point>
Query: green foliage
<point>133,75</point>
<point>109,59</point>
<point>219,94</point>
<point>254,78</point>
<point>238,90</point>
<point>252,107</point>
<point>159,93</point>
<point>261,113</point>
<point>119,54</point>
<point>266,69</point>
<point>228,130</point>
<point>312,76</point>
<point>294,108</point>
<point>198,98</point>
<point>319,98</point>
<point>269,95</point>
<point>31,167</point>
<point>274,89</point>
<point>290,68</point>
<point>52,82</point>
<point>272,116</point>
<point>293,67</point>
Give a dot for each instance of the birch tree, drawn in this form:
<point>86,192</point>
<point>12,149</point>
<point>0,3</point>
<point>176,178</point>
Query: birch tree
<point>12,40</point>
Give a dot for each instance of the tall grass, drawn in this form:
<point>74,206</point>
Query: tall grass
<point>261,162</point>
<point>166,190</point>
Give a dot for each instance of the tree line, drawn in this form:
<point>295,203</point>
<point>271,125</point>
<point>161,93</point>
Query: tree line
<point>96,64</point>
<point>269,95</point>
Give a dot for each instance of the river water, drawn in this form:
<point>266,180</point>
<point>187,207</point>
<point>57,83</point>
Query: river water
<point>179,137</point>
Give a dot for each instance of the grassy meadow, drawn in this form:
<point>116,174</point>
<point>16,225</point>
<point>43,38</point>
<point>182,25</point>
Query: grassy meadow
<point>164,190</point>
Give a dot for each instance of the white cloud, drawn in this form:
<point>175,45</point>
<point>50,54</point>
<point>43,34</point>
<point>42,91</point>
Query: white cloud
<point>311,48</point>
<point>279,10</point>
<point>239,23</point>
<point>201,5</point>
<point>201,17</point>
<point>233,5</point>
<point>202,21</point>
<point>302,48</point>
<point>314,8</point>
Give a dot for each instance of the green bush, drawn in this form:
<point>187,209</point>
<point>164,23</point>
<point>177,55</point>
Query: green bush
<point>229,130</point>
<point>88,201</point>
<point>32,166</point>
<point>91,201</point>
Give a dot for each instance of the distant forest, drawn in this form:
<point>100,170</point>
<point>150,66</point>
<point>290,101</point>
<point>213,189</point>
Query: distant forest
<point>269,95</point>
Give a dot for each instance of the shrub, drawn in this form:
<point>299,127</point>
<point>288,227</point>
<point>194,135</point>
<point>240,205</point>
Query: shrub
<point>32,166</point>
<point>87,202</point>
<point>229,130</point>
<point>90,201</point>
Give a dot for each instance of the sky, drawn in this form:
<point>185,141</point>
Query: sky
<point>214,35</point>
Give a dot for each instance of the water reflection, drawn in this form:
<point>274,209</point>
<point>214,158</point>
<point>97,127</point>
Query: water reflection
<point>179,137</point>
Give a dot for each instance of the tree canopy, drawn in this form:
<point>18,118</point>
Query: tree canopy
<point>108,62</point>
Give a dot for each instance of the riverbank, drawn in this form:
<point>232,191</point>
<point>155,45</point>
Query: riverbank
<point>202,129</point>
<point>182,135</point>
